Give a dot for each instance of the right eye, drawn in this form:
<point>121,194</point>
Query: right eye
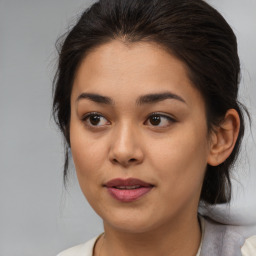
<point>95,120</point>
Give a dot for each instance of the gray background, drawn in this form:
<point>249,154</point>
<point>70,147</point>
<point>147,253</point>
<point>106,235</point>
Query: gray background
<point>38,217</point>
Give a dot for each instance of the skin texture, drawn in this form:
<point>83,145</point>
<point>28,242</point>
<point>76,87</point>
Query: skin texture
<point>171,155</point>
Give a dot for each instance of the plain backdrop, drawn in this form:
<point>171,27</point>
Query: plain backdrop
<point>38,217</point>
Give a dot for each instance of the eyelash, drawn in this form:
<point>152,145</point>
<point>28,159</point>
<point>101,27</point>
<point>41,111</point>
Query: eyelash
<point>86,117</point>
<point>167,117</point>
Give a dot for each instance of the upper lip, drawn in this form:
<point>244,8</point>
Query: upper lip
<point>127,182</point>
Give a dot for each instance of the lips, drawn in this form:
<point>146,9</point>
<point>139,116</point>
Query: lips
<point>128,190</point>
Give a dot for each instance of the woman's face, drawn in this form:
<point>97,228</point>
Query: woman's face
<point>138,136</point>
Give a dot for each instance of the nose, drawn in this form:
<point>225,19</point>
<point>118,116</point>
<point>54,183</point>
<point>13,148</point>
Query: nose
<point>125,146</point>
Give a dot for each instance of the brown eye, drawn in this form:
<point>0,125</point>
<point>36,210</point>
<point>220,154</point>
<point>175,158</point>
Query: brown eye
<point>155,120</point>
<point>159,120</point>
<point>95,120</point>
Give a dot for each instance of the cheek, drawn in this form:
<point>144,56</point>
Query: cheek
<point>89,158</point>
<point>88,154</point>
<point>182,157</point>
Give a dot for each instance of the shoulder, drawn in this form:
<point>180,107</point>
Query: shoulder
<point>249,247</point>
<point>228,240</point>
<point>85,249</point>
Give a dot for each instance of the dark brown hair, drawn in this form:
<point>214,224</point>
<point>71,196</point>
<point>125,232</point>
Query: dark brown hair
<point>193,31</point>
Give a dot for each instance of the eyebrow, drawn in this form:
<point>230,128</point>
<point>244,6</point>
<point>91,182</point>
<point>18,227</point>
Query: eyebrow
<point>95,98</point>
<point>144,99</point>
<point>156,97</point>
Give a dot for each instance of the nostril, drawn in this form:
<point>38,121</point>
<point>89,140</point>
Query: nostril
<point>132,160</point>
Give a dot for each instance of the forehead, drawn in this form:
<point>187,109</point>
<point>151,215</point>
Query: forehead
<point>130,60</point>
<point>119,70</point>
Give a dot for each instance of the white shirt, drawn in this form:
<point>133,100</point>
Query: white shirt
<point>86,249</point>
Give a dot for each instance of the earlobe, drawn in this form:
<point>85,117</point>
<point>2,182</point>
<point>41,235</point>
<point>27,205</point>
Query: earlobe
<point>223,138</point>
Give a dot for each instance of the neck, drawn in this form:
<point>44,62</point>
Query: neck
<point>180,237</point>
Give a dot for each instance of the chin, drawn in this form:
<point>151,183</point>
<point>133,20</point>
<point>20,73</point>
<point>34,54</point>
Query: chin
<point>131,222</point>
<point>129,226</point>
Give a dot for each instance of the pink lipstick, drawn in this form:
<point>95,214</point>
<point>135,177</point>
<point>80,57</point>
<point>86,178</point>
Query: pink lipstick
<point>127,190</point>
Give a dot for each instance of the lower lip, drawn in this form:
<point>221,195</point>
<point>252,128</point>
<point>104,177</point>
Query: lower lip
<point>128,195</point>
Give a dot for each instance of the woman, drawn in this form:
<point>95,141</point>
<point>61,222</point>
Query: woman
<point>146,98</point>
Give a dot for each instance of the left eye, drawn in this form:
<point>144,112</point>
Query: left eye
<point>159,120</point>
<point>94,119</point>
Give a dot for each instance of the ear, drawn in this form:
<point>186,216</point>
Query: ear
<point>223,138</point>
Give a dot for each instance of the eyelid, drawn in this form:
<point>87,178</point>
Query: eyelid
<point>84,116</point>
<point>167,116</point>
<point>162,114</point>
<point>87,115</point>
